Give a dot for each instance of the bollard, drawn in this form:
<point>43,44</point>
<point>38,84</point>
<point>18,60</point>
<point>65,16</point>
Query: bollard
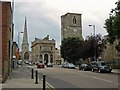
<point>44,82</point>
<point>36,81</point>
<point>32,77</point>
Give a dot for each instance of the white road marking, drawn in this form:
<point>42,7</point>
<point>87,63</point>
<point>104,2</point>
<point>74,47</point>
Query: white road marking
<point>97,78</point>
<point>101,79</point>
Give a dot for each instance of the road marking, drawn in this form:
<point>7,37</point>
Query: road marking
<point>97,78</point>
<point>101,79</point>
<point>49,85</point>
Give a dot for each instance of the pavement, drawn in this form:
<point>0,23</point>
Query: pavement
<point>21,79</point>
<point>116,71</point>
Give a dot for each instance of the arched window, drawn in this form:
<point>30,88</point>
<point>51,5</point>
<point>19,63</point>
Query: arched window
<point>74,20</point>
<point>26,55</point>
<point>51,58</point>
<point>40,47</point>
<point>40,57</point>
<point>46,58</point>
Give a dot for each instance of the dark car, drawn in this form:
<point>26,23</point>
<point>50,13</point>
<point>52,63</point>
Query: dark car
<point>49,65</point>
<point>100,66</point>
<point>85,67</point>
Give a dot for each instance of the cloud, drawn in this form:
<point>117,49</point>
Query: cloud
<point>43,16</point>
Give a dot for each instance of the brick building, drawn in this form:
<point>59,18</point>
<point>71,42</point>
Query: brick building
<point>15,54</point>
<point>6,32</point>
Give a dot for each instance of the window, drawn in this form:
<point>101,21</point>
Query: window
<point>74,20</point>
<point>51,48</point>
<point>51,58</point>
<point>40,47</point>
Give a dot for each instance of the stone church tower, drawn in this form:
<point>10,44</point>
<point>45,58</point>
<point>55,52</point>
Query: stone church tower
<point>25,45</point>
<point>71,25</point>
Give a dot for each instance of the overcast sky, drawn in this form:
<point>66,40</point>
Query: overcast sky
<point>43,16</point>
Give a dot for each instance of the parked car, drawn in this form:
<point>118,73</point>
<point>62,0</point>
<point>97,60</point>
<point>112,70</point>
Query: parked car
<point>40,65</point>
<point>49,65</point>
<point>71,66</point>
<point>100,66</point>
<point>19,62</point>
<point>26,62</point>
<point>85,67</point>
<point>30,63</point>
<point>68,65</point>
<point>65,65</point>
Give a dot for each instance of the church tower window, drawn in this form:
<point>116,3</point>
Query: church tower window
<point>74,20</point>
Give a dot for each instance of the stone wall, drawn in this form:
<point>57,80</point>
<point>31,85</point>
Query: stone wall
<point>42,48</point>
<point>71,25</point>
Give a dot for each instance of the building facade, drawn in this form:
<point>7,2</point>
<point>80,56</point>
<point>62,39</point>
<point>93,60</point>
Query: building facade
<point>110,54</point>
<point>71,25</point>
<point>25,44</point>
<point>58,59</point>
<point>15,48</point>
<point>43,50</point>
<point>15,56</point>
<point>7,38</point>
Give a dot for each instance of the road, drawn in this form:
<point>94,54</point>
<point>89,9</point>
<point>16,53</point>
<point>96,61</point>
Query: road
<point>72,78</point>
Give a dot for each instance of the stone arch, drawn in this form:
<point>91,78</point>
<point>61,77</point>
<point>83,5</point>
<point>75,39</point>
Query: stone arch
<point>46,58</point>
<point>51,58</point>
<point>26,55</point>
<point>40,58</point>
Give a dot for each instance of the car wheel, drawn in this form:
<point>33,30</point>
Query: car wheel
<point>99,71</point>
<point>83,69</point>
<point>92,70</point>
<point>109,71</point>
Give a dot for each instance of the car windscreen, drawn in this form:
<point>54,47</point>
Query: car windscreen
<point>103,64</point>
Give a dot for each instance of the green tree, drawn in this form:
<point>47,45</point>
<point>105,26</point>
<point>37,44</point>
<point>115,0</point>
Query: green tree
<point>112,25</point>
<point>70,49</point>
<point>92,46</point>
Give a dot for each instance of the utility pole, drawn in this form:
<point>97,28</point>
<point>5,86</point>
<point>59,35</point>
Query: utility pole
<point>94,41</point>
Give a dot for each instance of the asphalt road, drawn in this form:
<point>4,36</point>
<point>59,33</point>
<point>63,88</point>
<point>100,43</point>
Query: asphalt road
<point>72,78</point>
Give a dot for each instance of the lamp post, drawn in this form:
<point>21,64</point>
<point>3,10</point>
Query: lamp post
<point>18,42</point>
<point>94,41</point>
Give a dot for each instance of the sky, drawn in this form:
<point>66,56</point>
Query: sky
<point>44,17</point>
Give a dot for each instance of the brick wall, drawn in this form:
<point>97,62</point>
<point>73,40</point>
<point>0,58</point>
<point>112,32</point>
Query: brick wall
<point>6,16</point>
<point>0,41</point>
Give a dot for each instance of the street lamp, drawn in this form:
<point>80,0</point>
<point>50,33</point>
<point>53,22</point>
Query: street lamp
<point>94,41</point>
<point>18,42</point>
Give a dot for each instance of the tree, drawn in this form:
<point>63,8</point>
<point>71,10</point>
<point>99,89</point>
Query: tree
<point>70,49</point>
<point>112,25</point>
<point>92,46</point>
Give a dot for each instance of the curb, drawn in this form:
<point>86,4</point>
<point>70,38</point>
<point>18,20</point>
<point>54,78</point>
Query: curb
<point>50,86</point>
